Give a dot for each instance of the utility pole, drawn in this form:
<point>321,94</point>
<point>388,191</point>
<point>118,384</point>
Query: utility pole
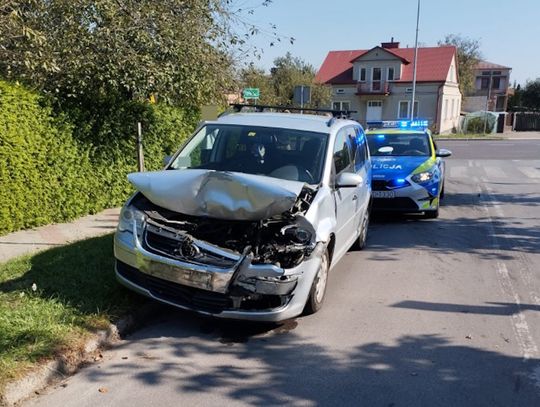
<point>302,99</point>
<point>140,152</point>
<point>414,62</point>
<point>487,100</point>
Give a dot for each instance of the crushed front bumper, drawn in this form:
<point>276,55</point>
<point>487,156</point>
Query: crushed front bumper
<point>240,290</point>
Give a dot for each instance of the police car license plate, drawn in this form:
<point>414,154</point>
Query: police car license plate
<point>383,194</point>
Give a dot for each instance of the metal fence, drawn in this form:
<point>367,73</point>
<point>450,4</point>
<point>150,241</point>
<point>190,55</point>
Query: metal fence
<point>526,121</point>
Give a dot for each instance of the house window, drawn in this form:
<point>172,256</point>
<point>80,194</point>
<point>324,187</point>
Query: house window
<point>452,111</point>
<point>362,74</point>
<point>340,90</point>
<point>390,74</point>
<point>497,72</point>
<point>485,83</point>
<point>496,83</point>
<point>341,106</point>
<point>404,107</point>
<point>486,73</point>
<point>446,109</point>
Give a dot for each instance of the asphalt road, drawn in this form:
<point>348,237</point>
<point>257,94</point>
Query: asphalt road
<point>433,313</point>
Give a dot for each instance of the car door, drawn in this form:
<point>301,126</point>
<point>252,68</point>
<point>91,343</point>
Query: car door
<point>345,198</point>
<point>362,166</point>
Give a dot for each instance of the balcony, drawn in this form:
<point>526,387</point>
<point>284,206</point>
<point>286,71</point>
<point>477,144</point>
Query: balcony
<point>373,88</point>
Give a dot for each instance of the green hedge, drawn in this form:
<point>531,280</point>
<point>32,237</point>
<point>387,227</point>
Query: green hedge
<point>55,167</point>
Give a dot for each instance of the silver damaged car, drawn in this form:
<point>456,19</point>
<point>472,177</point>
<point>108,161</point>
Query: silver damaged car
<point>249,216</point>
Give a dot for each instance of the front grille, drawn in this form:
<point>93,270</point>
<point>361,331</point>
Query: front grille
<point>397,204</point>
<point>175,293</point>
<point>388,185</point>
<point>178,247</point>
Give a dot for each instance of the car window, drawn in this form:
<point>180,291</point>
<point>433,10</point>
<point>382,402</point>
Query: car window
<point>399,144</point>
<point>361,149</point>
<point>290,154</point>
<point>342,153</point>
<point>353,142</point>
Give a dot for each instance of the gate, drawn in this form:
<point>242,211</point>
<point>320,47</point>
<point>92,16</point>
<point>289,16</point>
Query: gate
<point>527,121</point>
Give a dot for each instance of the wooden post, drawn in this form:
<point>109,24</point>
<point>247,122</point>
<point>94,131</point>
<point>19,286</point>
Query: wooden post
<point>140,153</point>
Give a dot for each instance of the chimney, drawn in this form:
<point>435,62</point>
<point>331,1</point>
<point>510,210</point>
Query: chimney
<point>390,45</point>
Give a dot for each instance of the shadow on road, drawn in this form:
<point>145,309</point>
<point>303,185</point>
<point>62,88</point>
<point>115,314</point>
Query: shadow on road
<point>467,232</point>
<point>492,308</point>
<point>283,368</point>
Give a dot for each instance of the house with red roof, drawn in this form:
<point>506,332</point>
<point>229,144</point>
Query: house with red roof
<point>377,83</point>
<point>492,82</point>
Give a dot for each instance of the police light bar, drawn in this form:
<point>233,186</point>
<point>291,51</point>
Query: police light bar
<point>398,124</point>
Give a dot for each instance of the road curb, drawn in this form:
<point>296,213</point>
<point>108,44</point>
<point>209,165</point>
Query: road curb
<point>67,364</point>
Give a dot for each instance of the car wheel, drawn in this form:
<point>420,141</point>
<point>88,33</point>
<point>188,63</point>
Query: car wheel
<point>360,243</point>
<point>318,288</point>
<point>442,192</point>
<point>432,214</point>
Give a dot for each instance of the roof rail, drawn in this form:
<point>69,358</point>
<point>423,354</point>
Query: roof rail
<point>338,114</point>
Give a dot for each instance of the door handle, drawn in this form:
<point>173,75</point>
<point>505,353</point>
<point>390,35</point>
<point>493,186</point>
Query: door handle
<point>355,197</point>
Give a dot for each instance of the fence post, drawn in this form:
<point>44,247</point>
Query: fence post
<point>140,152</point>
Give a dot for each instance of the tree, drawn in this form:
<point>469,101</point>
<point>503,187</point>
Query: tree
<point>180,50</point>
<point>468,54</point>
<point>253,77</point>
<point>530,95</point>
<point>278,87</point>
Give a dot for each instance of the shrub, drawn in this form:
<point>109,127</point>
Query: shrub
<point>58,166</point>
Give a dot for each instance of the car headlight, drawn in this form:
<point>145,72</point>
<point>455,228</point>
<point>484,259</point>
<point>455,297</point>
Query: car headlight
<point>297,234</point>
<point>128,216</point>
<point>423,176</point>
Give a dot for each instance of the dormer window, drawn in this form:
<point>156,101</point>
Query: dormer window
<point>362,74</point>
<point>390,74</point>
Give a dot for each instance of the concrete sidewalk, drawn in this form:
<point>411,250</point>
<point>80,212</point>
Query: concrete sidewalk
<point>32,240</point>
<point>522,135</point>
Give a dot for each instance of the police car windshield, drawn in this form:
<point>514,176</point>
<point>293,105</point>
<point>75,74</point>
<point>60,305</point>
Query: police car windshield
<point>399,144</point>
<point>289,154</point>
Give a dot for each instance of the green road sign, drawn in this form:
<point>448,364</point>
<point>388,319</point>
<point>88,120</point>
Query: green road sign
<point>251,93</point>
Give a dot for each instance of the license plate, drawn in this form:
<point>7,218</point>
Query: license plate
<point>384,194</point>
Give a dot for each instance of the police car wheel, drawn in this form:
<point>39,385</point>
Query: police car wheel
<point>318,288</point>
<point>431,214</point>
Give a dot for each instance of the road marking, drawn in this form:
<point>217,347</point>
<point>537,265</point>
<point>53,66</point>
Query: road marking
<point>520,326</point>
<point>530,172</point>
<point>495,172</point>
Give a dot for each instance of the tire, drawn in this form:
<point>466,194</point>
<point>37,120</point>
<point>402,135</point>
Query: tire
<point>441,196</point>
<point>360,243</point>
<point>318,288</point>
<point>431,214</point>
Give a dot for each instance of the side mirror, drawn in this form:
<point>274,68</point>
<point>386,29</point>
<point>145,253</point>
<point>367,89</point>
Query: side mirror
<point>348,180</point>
<point>443,152</point>
<point>166,160</point>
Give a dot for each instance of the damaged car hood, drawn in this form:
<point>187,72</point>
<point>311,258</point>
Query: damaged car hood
<point>216,194</point>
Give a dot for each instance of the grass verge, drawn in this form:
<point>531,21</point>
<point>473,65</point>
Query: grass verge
<point>52,301</point>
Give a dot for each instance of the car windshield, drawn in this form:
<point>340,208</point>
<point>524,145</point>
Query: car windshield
<point>399,144</point>
<point>280,153</point>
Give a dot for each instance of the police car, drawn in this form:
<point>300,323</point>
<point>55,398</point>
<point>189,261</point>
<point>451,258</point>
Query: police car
<point>408,170</point>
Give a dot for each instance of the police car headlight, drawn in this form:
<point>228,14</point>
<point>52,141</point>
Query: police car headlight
<point>422,177</point>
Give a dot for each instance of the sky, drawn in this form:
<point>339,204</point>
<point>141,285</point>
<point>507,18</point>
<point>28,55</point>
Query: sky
<point>508,30</point>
